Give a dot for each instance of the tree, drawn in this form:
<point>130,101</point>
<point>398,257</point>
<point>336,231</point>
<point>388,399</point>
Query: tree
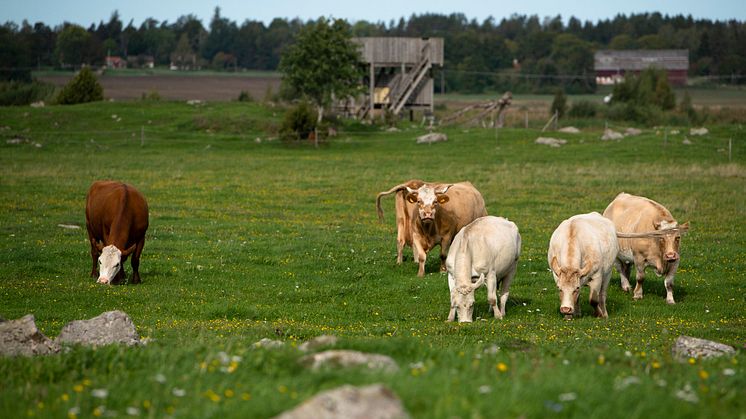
<point>73,43</point>
<point>82,88</point>
<point>323,63</point>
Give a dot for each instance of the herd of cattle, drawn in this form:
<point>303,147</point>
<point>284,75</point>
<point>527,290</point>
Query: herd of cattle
<point>475,249</point>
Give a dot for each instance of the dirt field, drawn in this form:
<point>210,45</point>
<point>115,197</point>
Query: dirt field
<point>208,88</point>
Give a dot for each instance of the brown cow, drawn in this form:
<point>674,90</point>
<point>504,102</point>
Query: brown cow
<point>403,213</point>
<point>116,217</point>
<point>648,236</point>
<point>436,213</point>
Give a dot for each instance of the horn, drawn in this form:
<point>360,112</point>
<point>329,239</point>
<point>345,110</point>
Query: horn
<point>129,250</point>
<point>415,183</point>
<point>479,283</point>
<point>444,190</point>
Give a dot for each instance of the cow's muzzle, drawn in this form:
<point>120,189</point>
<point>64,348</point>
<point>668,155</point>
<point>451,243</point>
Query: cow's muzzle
<point>102,280</point>
<point>566,310</point>
<point>671,256</point>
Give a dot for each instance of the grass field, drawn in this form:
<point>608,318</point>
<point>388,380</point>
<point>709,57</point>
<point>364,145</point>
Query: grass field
<point>255,239</point>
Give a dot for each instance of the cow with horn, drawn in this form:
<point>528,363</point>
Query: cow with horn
<point>648,236</point>
<point>428,214</point>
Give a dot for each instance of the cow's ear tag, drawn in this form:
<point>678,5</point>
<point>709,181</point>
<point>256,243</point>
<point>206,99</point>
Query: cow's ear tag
<point>442,199</point>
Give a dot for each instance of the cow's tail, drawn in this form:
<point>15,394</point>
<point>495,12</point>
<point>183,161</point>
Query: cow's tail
<point>410,184</point>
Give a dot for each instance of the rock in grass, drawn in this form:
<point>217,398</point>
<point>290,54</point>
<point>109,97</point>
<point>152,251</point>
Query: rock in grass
<point>318,342</point>
<point>687,347</point>
<point>433,137</point>
<point>269,343</point>
<point>21,337</point>
<point>698,131</point>
<point>106,329</point>
<point>551,142</point>
<point>569,130</point>
<point>610,134</point>
<point>375,401</point>
<point>347,358</point>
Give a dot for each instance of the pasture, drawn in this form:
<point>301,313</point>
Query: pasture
<point>254,239</point>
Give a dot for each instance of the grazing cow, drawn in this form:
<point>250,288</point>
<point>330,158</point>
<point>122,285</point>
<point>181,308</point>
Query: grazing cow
<point>581,252</point>
<point>438,212</point>
<point>116,217</point>
<point>489,248</point>
<point>403,213</point>
<point>648,236</point>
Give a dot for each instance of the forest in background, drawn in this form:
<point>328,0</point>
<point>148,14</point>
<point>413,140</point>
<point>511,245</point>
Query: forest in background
<point>520,53</point>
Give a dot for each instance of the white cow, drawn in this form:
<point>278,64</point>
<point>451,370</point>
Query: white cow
<point>581,252</point>
<point>487,248</point>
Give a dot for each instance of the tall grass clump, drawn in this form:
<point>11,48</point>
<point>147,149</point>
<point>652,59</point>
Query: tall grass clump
<point>18,93</point>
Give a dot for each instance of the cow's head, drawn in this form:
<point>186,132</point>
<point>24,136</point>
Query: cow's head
<point>462,300</point>
<point>569,281</point>
<point>427,199</point>
<point>110,262</point>
<point>669,243</point>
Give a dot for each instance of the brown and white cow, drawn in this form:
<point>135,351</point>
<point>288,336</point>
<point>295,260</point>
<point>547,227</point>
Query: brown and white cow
<point>436,213</point>
<point>581,252</point>
<point>116,217</point>
<point>403,214</point>
<point>648,236</point>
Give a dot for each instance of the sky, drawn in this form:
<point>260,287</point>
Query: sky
<point>86,12</point>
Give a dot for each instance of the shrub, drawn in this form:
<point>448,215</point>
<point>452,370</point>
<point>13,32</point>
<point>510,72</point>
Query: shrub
<point>298,123</point>
<point>583,109</point>
<point>245,96</point>
<point>16,93</point>
<point>152,95</point>
<point>82,88</point>
<point>559,104</point>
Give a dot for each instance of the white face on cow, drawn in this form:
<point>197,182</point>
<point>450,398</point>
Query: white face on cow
<point>462,299</point>
<point>109,264</point>
<point>669,244</point>
<point>427,200</point>
<point>568,284</point>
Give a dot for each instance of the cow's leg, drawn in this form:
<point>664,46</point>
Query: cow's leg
<point>606,280</point>
<point>672,268</point>
<point>593,295</point>
<point>399,251</point>
<point>444,245</point>
<point>492,293</point>
<point>136,261</point>
<point>94,253</point>
<point>624,270</point>
<point>505,288</point>
<point>420,256</point>
<point>640,268</point>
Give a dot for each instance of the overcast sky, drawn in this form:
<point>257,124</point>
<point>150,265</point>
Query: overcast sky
<point>85,12</point>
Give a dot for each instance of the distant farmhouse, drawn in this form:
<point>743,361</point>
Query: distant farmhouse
<point>399,73</point>
<point>612,65</point>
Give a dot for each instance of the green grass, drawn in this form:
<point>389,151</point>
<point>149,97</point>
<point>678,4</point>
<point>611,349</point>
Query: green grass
<point>252,239</point>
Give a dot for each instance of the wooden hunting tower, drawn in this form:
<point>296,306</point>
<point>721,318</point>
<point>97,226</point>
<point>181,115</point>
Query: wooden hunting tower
<point>399,73</point>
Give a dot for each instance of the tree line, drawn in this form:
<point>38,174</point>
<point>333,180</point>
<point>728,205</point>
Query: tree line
<point>520,52</point>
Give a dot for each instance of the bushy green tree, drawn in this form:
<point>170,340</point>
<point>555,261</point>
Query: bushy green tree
<point>651,87</point>
<point>323,63</point>
<point>81,89</point>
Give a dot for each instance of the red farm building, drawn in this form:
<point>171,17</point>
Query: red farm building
<point>612,65</point>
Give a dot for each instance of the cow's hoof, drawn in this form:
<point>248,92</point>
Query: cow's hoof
<point>625,289</point>
<point>670,302</point>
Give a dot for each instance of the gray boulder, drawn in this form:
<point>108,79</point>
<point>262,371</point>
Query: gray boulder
<point>269,343</point>
<point>687,347</point>
<point>433,137</point>
<point>551,142</point>
<point>21,337</point>
<point>108,328</point>
<point>347,358</point>
<point>348,402</point>
<point>318,342</point>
